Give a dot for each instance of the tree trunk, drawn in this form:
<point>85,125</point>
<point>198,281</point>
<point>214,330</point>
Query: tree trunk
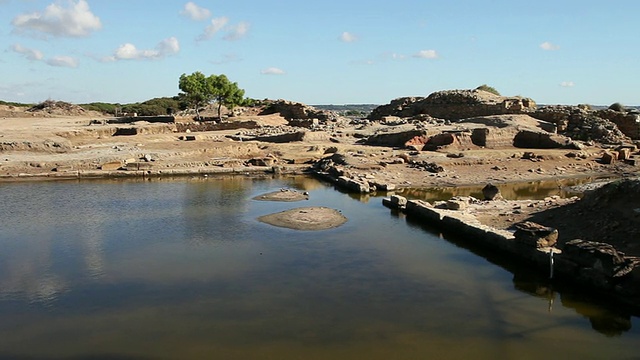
<point>219,109</point>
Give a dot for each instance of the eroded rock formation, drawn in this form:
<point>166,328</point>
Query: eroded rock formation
<point>454,105</point>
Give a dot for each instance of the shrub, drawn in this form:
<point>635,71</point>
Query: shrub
<point>617,107</point>
<point>104,108</point>
<point>14,104</point>
<point>154,107</point>
<point>487,88</point>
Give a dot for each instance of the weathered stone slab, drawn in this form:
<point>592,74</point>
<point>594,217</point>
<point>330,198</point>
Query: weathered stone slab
<point>491,192</point>
<point>112,165</point>
<point>137,166</point>
<point>535,235</point>
<point>353,184</point>
<point>609,158</point>
<point>601,257</point>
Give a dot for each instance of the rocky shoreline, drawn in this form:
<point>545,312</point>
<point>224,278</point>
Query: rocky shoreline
<point>598,267</point>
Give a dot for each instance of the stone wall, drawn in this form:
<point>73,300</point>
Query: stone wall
<point>215,126</point>
<point>627,122</point>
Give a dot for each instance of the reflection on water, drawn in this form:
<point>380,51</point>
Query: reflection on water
<point>511,191</point>
<point>183,270</point>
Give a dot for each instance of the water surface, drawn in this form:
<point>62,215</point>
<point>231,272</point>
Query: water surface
<point>182,269</point>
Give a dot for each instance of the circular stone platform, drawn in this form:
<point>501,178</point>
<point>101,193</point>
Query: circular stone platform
<point>283,195</point>
<point>306,218</point>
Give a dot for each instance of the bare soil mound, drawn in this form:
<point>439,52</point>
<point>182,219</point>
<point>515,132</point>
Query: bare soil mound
<point>306,218</point>
<point>286,195</point>
<point>58,108</point>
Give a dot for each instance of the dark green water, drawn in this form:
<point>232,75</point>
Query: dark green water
<point>183,270</point>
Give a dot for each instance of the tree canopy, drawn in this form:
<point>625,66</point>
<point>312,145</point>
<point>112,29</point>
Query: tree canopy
<point>199,90</point>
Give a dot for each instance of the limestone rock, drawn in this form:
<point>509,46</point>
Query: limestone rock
<point>353,184</point>
<point>399,200</point>
<point>609,158</point>
<point>395,137</point>
<point>601,257</point>
<point>395,202</point>
<point>112,165</point>
<point>491,192</point>
<point>454,105</point>
<point>531,139</point>
<point>456,204</point>
<point>533,234</point>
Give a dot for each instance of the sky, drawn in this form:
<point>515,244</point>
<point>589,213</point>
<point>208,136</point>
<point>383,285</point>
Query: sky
<point>320,52</point>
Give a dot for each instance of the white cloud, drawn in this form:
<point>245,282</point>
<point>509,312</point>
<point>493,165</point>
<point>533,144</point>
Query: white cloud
<point>195,12</point>
<point>129,51</point>
<point>216,25</point>
<point>426,54</point>
<point>272,71</point>
<point>63,61</point>
<point>549,46</point>
<point>348,37</point>
<point>567,84</point>
<point>30,54</point>
<point>75,21</point>
<point>168,46</point>
<point>237,32</point>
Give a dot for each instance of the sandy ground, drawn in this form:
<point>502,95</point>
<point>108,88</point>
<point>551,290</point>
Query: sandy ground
<point>39,146</point>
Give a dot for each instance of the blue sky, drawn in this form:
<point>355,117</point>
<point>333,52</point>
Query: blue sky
<point>320,52</point>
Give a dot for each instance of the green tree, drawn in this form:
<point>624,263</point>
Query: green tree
<point>198,90</point>
<point>225,92</point>
<point>195,90</point>
<point>617,107</point>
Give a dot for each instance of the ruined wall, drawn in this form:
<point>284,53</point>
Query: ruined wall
<point>627,122</point>
<point>455,105</point>
<point>294,110</point>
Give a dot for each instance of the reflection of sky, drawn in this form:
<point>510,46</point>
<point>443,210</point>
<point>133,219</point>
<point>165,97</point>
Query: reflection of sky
<point>171,268</point>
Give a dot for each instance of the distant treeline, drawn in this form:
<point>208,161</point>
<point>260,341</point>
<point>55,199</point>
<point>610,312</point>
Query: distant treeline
<point>153,107</point>
<point>8,103</point>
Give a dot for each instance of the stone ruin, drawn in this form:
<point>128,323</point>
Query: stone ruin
<point>454,105</point>
<point>295,111</point>
<point>582,123</point>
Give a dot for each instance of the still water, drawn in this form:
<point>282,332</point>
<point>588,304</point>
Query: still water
<point>181,269</point>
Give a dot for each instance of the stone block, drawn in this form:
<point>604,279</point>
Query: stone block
<point>112,165</point>
<point>398,200</point>
<point>536,235</point>
<point>609,157</point>
<point>456,204</point>
<point>601,257</point>
<point>137,166</point>
<point>491,192</point>
<point>624,153</point>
